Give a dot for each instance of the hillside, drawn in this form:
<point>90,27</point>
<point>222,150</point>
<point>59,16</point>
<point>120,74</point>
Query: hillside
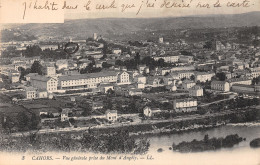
<point>86,27</point>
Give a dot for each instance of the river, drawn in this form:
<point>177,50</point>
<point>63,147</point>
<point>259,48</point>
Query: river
<point>239,154</point>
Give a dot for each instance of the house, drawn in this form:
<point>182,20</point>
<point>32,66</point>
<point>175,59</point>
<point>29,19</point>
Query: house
<point>30,93</point>
<point>220,86</point>
<point>187,84</point>
<point>123,78</point>
<point>196,91</point>
<point>65,114</point>
<point>111,115</point>
<point>185,105</point>
<point>149,112</point>
<point>116,51</point>
<point>42,93</point>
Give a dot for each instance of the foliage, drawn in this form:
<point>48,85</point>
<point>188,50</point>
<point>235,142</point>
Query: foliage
<point>37,68</point>
<point>208,144</point>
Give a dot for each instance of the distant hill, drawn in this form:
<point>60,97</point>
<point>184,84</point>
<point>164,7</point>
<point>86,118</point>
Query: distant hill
<point>86,27</point>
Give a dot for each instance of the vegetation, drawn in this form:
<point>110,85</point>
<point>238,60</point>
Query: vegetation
<point>208,144</point>
<point>118,142</point>
<point>255,143</point>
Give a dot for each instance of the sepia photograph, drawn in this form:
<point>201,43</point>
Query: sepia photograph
<point>130,82</point>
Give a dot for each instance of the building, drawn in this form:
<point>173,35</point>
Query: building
<point>123,78</point>
<point>184,74</point>
<point>12,74</point>
<point>149,112</point>
<point>241,88</point>
<point>160,40</point>
<point>91,80</point>
<point>203,76</point>
<point>187,84</point>
<point>49,70</point>
<point>116,51</point>
<point>196,91</point>
<point>44,83</point>
<point>185,105</point>
<point>30,93</point>
<point>186,59</point>
<point>220,86</point>
<point>167,58</point>
<point>243,80</point>
<point>95,36</point>
<point>111,115</point>
<point>64,116</point>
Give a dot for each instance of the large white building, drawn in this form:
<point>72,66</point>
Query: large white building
<point>203,76</point>
<point>167,58</point>
<point>92,80</point>
<point>185,105</point>
<point>220,86</point>
<point>44,83</point>
<point>244,81</point>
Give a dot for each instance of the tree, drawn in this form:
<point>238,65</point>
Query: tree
<point>32,51</point>
<point>221,76</point>
<point>137,58</point>
<point>192,77</point>
<point>22,121</point>
<point>37,68</point>
<point>35,120</point>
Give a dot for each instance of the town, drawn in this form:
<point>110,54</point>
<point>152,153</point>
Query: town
<point>98,83</point>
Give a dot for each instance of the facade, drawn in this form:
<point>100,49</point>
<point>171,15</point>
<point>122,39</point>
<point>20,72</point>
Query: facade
<point>240,88</point>
<point>87,80</point>
<point>168,59</point>
<point>196,91</point>
<point>185,105</point>
<point>31,93</point>
<point>244,81</point>
<point>185,74</point>
<point>123,78</point>
<point>64,116</point>
<point>203,76</point>
<point>44,83</point>
<point>111,115</point>
<point>220,86</point>
<point>49,70</point>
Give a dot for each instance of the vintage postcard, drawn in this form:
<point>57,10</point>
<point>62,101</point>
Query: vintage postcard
<point>130,82</point>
